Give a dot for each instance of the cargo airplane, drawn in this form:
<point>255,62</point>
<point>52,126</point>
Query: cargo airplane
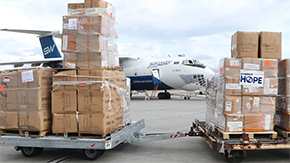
<point>169,73</point>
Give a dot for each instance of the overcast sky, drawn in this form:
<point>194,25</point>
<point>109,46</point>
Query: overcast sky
<point>199,29</point>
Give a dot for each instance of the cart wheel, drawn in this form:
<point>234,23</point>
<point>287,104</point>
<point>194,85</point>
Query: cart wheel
<point>235,156</point>
<point>31,151</point>
<point>92,154</point>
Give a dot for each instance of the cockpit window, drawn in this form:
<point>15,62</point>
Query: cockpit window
<point>193,62</point>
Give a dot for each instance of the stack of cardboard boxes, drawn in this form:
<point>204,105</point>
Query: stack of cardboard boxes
<point>25,99</point>
<point>90,101</point>
<point>247,85</point>
<point>282,117</point>
<point>89,36</point>
<point>91,98</point>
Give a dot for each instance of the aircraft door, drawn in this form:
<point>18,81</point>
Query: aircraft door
<point>156,76</point>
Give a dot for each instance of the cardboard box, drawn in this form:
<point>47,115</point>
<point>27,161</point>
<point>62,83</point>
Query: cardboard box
<point>270,45</point>
<point>109,9</point>
<point>269,120</point>
<point>33,99</point>
<point>233,122</point>
<point>69,60</point>
<point>92,60</point>
<point>65,80</point>
<point>245,45</point>
<point>64,101</point>
<point>35,120</point>
<point>94,101</point>
<point>120,79</point>
<point>251,104</point>
<point>71,25</point>
<point>35,78</point>
<point>94,24</point>
<point>101,123</point>
<point>75,5</point>
<point>229,104</point>
<point>90,43</point>
<point>268,104</point>
<point>270,88</point>
<point>68,42</point>
<point>8,100</point>
<point>229,86</point>
<point>230,67</point>
<point>270,68</point>
<point>95,78</point>
<point>64,123</point>
<point>284,68</point>
<point>251,64</point>
<point>9,79</point>
<point>9,120</point>
<point>119,113</point>
<point>254,122</point>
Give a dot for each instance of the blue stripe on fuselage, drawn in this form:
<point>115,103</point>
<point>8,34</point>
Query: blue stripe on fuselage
<point>145,82</point>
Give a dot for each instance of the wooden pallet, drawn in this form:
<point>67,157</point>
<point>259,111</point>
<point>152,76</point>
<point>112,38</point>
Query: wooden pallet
<point>283,132</point>
<point>249,135</point>
<point>9,132</point>
<point>34,133</point>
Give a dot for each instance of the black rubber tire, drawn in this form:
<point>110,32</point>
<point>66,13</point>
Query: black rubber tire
<point>237,158</point>
<point>92,154</point>
<point>167,95</point>
<point>161,95</point>
<point>31,151</point>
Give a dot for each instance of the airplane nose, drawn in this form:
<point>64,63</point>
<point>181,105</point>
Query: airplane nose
<point>208,73</point>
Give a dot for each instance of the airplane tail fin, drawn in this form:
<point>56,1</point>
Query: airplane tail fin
<point>49,47</point>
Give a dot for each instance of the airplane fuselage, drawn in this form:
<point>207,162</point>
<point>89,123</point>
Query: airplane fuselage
<point>173,73</point>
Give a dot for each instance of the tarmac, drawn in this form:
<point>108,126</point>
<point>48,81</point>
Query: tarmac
<point>161,116</point>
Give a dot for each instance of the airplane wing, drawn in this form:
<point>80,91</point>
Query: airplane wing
<point>45,62</point>
<point>40,33</point>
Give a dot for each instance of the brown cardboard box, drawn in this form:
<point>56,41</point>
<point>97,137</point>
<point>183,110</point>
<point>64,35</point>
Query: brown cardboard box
<point>270,68</point>
<point>92,60</point>
<point>9,79</point>
<point>270,45</point>
<point>229,104</point>
<point>64,123</point>
<point>68,42</point>
<point>65,80</point>
<point>33,99</point>
<point>64,101</point>
<point>102,123</point>
<point>96,4</point>
<point>90,43</point>
<point>283,120</point>
<point>251,63</point>
<point>229,86</point>
<point>35,120</point>
<point>120,79</point>
<point>94,101</point>
<point>75,5</point>
<point>268,104</point>
<point>119,118</point>
<point>269,122</point>
<point>94,75</point>
<point>9,120</point>
<point>284,68</point>
<point>251,104</point>
<point>69,60</point>
<point>245,45</point>
<point>230,67</point>
<point>270,88</point>
<point>8,100</point>
<point>71,25</point>
<point>254,122</point>
<point>35,78</point>
<point>233,122</point>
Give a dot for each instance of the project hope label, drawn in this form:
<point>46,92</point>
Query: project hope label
<point>251,78</point>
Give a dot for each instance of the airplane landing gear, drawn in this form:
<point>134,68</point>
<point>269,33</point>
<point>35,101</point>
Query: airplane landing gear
<point>164,95</point>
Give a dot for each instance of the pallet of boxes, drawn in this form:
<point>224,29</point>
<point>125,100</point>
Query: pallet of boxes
<point>90,97</point>
<point>25,105</point>
<point>247,87</point>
